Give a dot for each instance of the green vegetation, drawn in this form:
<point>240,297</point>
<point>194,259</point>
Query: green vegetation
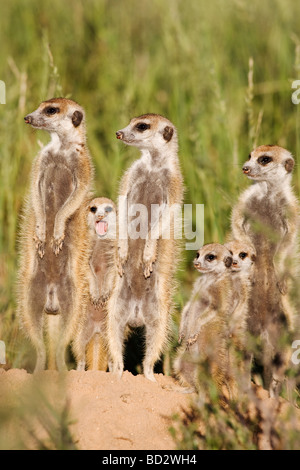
<point>221,71</point>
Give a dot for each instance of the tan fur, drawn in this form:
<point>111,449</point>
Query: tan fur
<point>267,216</point>
<point>54,246</point>
<point>243,259</point>
<point>145,284</point>
<point>204,325</point>
<point>90,343</point>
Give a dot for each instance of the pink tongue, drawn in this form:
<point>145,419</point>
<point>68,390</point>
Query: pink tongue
<point>101,227</point>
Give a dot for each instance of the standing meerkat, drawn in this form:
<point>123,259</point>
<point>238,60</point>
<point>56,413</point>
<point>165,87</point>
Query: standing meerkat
<point>203,326</point>
<point>267,216</point>
<point>90,342</point>
<point>243,259</point>
<point>146,264</point>
<point>54,246</point>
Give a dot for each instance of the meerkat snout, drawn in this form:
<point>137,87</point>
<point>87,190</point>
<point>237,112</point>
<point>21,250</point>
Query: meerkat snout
<point>28,119</point>
<point>120,135</point>
<point>246,169</point>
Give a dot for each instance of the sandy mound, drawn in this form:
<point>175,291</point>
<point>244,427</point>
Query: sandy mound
<point>109,414</point>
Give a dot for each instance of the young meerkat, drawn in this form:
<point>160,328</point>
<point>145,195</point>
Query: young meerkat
<point>203,326</point>
<point>243,259</point>
<point>267,216</point>
<point>54,247</point>
<point>90,344</point>
<point>146,263</point>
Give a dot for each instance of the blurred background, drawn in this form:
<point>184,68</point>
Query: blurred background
<point>222,72</point>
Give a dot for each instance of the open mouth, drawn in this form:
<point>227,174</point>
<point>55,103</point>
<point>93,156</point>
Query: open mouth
<point>101,227</point>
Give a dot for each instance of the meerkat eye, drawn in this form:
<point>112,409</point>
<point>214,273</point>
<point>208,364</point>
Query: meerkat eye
<point>93,209</point>
<point>51,110</point>
<point>210,257</point>
<point>243,255</point>
<point>264,160</point>
<point>142,126</point>
<point>108,209</point>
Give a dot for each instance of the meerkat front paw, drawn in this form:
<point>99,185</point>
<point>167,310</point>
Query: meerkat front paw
<point>57,244</point>
<point>104,298</point>
<point>282,286</point>
<point>122,258</point>
<point>40,246</point>
<point>95,295</point>
<point>147,269</point>
<point>40,238</point>
<point>192,340</point>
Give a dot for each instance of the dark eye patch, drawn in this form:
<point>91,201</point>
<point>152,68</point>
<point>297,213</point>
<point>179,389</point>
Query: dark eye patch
<point>93,209</point>
<point>108,209</point>
<point>50,110</point>
<point>142,126</point>
<point>264,160</point>
<point>210,257</point>
<point>243,255</point>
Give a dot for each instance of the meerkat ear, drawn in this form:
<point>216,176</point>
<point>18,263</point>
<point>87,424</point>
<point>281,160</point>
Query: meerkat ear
<point>253,257</point>
<point>168,133</point>
<point>289,165</point>
<point>228,261</point>
<point>77,118</point>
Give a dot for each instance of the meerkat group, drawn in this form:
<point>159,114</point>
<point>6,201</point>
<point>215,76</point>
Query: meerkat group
<point>87,276</point>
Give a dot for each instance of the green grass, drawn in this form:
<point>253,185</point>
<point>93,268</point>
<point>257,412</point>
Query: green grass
<point>221,71</point>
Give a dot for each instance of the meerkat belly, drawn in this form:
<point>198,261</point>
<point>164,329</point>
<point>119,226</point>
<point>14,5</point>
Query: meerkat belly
<point>265,304</point>
<point>57,186</point>
<point>266,226</point>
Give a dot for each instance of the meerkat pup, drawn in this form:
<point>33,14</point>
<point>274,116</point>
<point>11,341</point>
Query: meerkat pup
<point>147,262</point>
<point>243,258</point>
<point>54,247</point>
<point>267,217</point>
<point>203,326</point>
<point>90,342</point>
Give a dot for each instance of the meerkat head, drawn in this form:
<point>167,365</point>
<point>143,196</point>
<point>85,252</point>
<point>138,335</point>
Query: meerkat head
<point>148,132</point>
<point>102,217</point>
<point>243,255</point>
<point>58,115</point>
<point>213,258</point>
<point>269,163</point>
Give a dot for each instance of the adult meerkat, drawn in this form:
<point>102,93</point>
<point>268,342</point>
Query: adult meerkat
<point>146,265</point>
<point>267,216</point>
<point>90,342</point>
<point>203,326</point>
<point>54,246</point>
<point>243,259</point>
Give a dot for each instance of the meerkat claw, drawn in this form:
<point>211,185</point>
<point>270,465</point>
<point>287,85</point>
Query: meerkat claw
<point>57,244</point>
<point>148,270</point>
<point>192,340</point>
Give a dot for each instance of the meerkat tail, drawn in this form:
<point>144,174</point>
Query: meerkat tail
<point>52,329</point>
<point>96,354</point>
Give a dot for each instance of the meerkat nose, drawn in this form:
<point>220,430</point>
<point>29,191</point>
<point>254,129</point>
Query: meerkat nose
<point>246,169</point>
<point>28,119</point>
<point>120,135</point>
